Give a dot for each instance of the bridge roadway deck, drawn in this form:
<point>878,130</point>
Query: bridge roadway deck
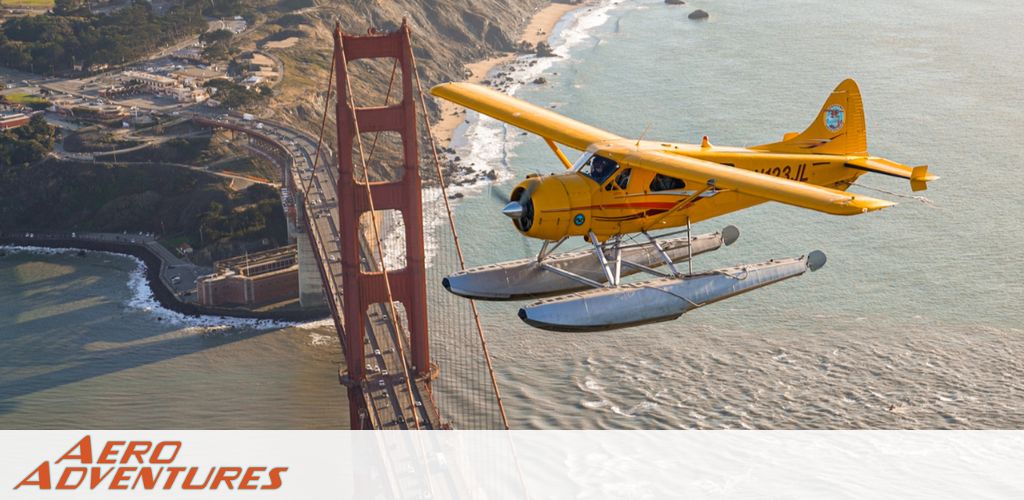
<point>385,390</point>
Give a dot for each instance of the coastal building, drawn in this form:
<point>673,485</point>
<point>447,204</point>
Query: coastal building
<point>179,89</point>
<point>257,68</point>
<point>154,82</point>
<point>249,81</point>
<point>187,94</point>
<point>94,111</point>
<point>190,54</point>
<point>252,280</point>
<point>13,120</point>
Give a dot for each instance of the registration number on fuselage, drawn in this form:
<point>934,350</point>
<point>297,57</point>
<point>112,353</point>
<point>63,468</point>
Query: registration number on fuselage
<point>786,172</point>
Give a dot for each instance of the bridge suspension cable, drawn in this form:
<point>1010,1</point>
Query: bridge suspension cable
<point>458,246</point>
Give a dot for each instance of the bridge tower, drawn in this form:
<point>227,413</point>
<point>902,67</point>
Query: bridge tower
<point>362,289</point>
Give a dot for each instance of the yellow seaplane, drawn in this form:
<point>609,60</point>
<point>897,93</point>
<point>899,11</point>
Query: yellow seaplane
<point>631,188</point>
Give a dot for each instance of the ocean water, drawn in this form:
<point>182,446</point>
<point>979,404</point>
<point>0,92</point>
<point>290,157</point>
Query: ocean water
<point>916,320</point>
<point>83,345</point>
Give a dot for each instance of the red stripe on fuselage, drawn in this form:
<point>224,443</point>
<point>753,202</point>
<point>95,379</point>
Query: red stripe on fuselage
<point>648,204</point>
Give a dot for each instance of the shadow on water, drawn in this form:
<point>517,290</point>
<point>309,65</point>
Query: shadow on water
<point>7,406</point>
<point>58,345</point>
<point>99,363</point>
<point>55,293</point>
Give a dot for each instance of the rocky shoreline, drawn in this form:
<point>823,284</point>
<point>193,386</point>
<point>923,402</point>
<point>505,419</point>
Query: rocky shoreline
<point>499,73</point>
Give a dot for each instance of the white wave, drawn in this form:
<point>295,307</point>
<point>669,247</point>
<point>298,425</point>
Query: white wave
<point>142,298</point>
<point>318,340</point>
<point>392,237</point>
<point>577,28</point>
<point>636,410</point>
<point>592,385</point>
<point>434,215</point>
<point>486,145</point>
<point>37,250</point>
<point>596,405</point>
<point>639,409</point>
<point>318,324</point>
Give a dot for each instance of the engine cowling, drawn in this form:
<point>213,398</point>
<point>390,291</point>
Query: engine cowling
<point>550,207</point>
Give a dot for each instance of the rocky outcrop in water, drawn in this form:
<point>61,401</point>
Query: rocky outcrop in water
<point>675,2</point>
<point>544,50</point>
<point>698,15</point>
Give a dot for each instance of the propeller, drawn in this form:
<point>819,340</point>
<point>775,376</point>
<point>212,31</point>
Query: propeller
<point>498,194</point>
<point>503,198</point>
<point>515,209</point>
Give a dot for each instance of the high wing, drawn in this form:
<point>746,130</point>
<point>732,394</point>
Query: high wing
<point>529,117</point>
<point>769,187</point>
<point>555,127</point>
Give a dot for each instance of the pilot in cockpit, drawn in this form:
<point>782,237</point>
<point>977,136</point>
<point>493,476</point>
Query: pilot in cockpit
<point>601,168</point>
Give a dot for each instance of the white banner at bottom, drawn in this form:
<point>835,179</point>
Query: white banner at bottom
<point>520,464</point>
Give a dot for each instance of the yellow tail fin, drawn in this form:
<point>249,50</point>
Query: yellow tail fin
<point>838,129</point>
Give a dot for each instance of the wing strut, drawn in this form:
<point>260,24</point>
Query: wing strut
<point>558,152</point>
<point>683,204</point>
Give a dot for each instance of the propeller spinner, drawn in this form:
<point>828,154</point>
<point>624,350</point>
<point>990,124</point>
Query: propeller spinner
<point>520,207</point>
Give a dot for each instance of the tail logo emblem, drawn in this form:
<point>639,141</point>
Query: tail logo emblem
<point>834,117</point>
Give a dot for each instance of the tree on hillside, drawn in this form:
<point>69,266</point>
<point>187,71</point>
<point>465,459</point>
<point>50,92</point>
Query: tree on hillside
<point>70,7</point>
<point>217,36</point>
<point>56,43</point>
<point>27,143</point>
<point>233,95</point>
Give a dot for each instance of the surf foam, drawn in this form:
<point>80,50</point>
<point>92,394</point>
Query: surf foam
<point>143,299</point>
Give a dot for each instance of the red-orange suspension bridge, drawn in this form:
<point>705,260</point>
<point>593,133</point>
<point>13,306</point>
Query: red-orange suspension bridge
<point>381,313</point>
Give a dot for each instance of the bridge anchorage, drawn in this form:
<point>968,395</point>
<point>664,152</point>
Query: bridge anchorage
<point>377,292</point>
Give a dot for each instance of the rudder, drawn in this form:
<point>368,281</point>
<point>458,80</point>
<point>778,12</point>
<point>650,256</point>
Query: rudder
<point>839,127</point>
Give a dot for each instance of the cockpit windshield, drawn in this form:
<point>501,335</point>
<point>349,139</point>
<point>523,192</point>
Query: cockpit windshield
<point>599,168</point>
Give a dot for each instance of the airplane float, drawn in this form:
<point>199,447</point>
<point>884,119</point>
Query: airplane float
<point>622,188</point>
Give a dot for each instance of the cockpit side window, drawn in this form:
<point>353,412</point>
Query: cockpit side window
<point>666,183</point>
<point>599,168</point>
<point>621,180</point>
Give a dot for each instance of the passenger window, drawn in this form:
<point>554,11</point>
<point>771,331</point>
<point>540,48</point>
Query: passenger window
<point>599,168</point>
<point>621,181</point>
<point>666,183</point>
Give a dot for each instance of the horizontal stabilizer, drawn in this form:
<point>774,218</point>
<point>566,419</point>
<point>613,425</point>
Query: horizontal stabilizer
<point>918,176</point>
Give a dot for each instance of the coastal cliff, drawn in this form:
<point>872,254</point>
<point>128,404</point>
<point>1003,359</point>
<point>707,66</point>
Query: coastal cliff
<point>447,36</point>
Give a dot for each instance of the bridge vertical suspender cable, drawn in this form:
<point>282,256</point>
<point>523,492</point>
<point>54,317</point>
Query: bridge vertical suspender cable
<point>323,123</point>
<point>458,247</point>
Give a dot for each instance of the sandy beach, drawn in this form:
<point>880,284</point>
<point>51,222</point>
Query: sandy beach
<point>537,30</point>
